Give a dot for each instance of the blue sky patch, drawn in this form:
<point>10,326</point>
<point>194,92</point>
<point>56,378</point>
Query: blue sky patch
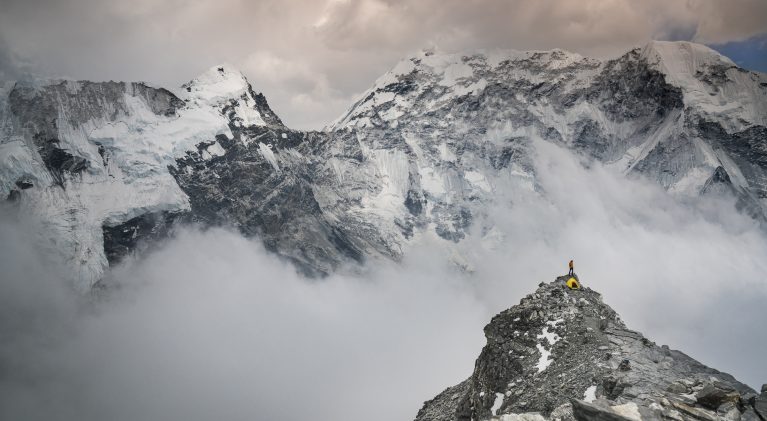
<point>750,54</point>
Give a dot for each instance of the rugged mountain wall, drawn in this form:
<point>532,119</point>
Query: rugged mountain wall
<point>564,354</point>
<point>677,113</point>
<point>108,167</point>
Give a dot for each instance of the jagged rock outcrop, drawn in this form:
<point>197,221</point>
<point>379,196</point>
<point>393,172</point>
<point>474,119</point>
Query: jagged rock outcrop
<point>107,166</point>
<point>563,354</point>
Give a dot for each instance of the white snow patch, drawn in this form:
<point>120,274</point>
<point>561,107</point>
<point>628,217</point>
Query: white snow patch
<point>391,166</point>
<point>17,161</point>
<point>543,362</point>
<point>590,395</point>
<point>498,402</point>
<point>215,150</point>
<point>268,154</point>
<point>692,182</point>
<point>432,181</point>
<point>383,97</point>
<point>445,153</point>
<point>246,110</point>
<point>392,114</point>
<point>455,72</point>
<point>478,180</point>
<point>551,337</point>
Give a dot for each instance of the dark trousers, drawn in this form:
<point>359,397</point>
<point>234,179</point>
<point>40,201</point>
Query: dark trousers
<point>571,272</point>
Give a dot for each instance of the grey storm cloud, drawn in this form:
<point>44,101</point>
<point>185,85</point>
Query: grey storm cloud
<point>313,58</point>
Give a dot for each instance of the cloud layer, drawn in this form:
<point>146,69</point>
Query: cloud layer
<point>212,326</point>
<point>312,58</point>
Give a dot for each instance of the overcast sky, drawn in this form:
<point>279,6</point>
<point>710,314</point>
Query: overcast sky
<point>312,58</point>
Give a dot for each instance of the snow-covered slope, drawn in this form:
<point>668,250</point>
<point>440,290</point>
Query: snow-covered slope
<point>84,155</point>
<point>420,156</point>
<point>673,111</point>
<point>226,90</point>
<point>711,83</point>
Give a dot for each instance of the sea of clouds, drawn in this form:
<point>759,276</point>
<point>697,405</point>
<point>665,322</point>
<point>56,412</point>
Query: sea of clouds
<point>210,325</point>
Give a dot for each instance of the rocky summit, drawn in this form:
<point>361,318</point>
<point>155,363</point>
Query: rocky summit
<point>563,354</point>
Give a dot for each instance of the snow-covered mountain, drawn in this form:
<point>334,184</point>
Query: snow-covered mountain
<point>563,354</point>
<point>109,165</point>
<point>87,157</point>
<point>673,111</point>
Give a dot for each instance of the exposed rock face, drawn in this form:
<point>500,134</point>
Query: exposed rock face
<point>133,234</point>
<point>422,153</point>
<point>564,354</point>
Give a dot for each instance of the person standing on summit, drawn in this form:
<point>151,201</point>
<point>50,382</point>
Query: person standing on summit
<point>571,268</point>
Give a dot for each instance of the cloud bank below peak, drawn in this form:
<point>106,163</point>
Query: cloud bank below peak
<point>210,323</point>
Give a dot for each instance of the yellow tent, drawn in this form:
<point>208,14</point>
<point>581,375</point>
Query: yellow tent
<point>572,283</point>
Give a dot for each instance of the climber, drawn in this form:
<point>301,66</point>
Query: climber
<point>572,283</point>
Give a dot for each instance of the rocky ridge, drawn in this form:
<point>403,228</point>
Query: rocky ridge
<point>563,354</point>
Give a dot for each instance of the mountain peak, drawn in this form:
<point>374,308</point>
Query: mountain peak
<point>448,76</point>
<point>219,83</point>
<point>682,57</point>
<point>448,67</point>
<point>563,353</point>
<point>228,90</point>
<point>711,82</point>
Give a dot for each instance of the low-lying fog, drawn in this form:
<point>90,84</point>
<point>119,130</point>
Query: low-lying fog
<point>211,326</point>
